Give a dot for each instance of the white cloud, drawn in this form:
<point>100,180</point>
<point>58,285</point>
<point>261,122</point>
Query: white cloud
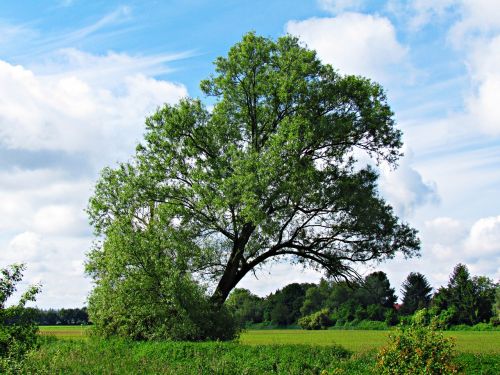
<point>60,219</point>
<point>405,188</point>
<point>24,248</point>
<point>76,110</point>
<point>444,231</point>
<point>26,196</point>
<point>353,43</point>
<point>482,106</point>
<point>452,241</point>
<point>477,18</point>
<point>484,239</point>
<point>338,6</point>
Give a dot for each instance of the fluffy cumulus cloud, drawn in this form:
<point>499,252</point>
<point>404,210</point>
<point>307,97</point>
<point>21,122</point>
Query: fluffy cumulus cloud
<point>85,108</point>
<point>484,239</point>
<point>63,120</point>
<point>354,43</point>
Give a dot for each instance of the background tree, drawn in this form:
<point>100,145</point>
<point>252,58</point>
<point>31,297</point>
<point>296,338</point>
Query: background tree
<point>316,298</point>
<point>485,290</point>
<point>461,295</point>
<point>283,307</point>
<point>465,300</point>
<point>417,293</point>
<point>496,306</point>
<point>246,307</point>
<point>269,173</point>
<point>18,331</point>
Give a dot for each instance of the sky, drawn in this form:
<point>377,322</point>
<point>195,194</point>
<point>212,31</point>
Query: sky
<point>78,78</point>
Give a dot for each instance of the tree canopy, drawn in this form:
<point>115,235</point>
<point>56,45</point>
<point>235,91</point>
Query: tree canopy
<point>417,293</point>
<point>270,172</point>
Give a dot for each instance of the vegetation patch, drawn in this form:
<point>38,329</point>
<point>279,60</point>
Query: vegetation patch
<point>97,356</point>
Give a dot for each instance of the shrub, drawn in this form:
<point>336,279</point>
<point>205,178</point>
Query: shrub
<point>18,331</point>
<point>372,325</point>
<point>179,311</point>
<point>417,349</point>
<point>317,320</point>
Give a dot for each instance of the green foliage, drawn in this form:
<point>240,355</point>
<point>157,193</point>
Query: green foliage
<point>376,290</point>
<point>318,320</point>
<point>18,332</point>
<point>122,357</point>
<point>282,357</point>
<point>465,300</point>
<point>417,349</point>
<point>371,299</point>
<point>372,325</point>
<point>416,293</point>
<point>76,316</point>
<point>315,298</point>
<point>246,308</point>
<point>270,173</point>
<point>283,306</point>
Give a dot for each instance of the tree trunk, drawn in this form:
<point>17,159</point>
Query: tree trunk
<point>236,268</point>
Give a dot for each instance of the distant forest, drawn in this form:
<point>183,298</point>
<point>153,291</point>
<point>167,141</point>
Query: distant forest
<point>370,303</point>
<point>64,317</point>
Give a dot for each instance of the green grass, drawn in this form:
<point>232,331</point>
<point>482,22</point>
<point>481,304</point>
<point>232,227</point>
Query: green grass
<point>64,332</point>
<point>361,341</point>
<point>97,356</point>
<point>358,341</point>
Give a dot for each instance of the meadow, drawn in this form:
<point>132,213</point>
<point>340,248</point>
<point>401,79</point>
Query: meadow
<point>356,341</point>
<point>70,350</point>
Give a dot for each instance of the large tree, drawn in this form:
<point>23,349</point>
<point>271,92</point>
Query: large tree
<point>270,170</point>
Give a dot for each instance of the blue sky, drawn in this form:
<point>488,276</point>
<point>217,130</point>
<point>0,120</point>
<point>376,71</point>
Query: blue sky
<point>77,79</point>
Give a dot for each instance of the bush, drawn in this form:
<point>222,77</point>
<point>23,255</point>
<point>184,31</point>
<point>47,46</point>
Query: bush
<point>144,289</point>
<point>476,327</point>
<point>18,331</point>
<point>372,325</point>
<point>317,320</point>
<point>417,349</point>
<point>179,311</point>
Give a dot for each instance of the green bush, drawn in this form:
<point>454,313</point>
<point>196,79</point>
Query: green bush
<point>317,320</point>
<point>372,325</point>
<point>476,327</point>
<point>144,289</point>
<point>18,331</point>
<point>417,349</point>
<point>179,311</point>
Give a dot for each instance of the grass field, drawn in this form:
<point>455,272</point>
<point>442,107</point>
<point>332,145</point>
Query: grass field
<point>357,341</point>
<point>64,332</point>
<point>97,356</point>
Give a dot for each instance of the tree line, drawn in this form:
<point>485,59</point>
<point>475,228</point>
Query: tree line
<point>64,317</point>
<point>464,300</point>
